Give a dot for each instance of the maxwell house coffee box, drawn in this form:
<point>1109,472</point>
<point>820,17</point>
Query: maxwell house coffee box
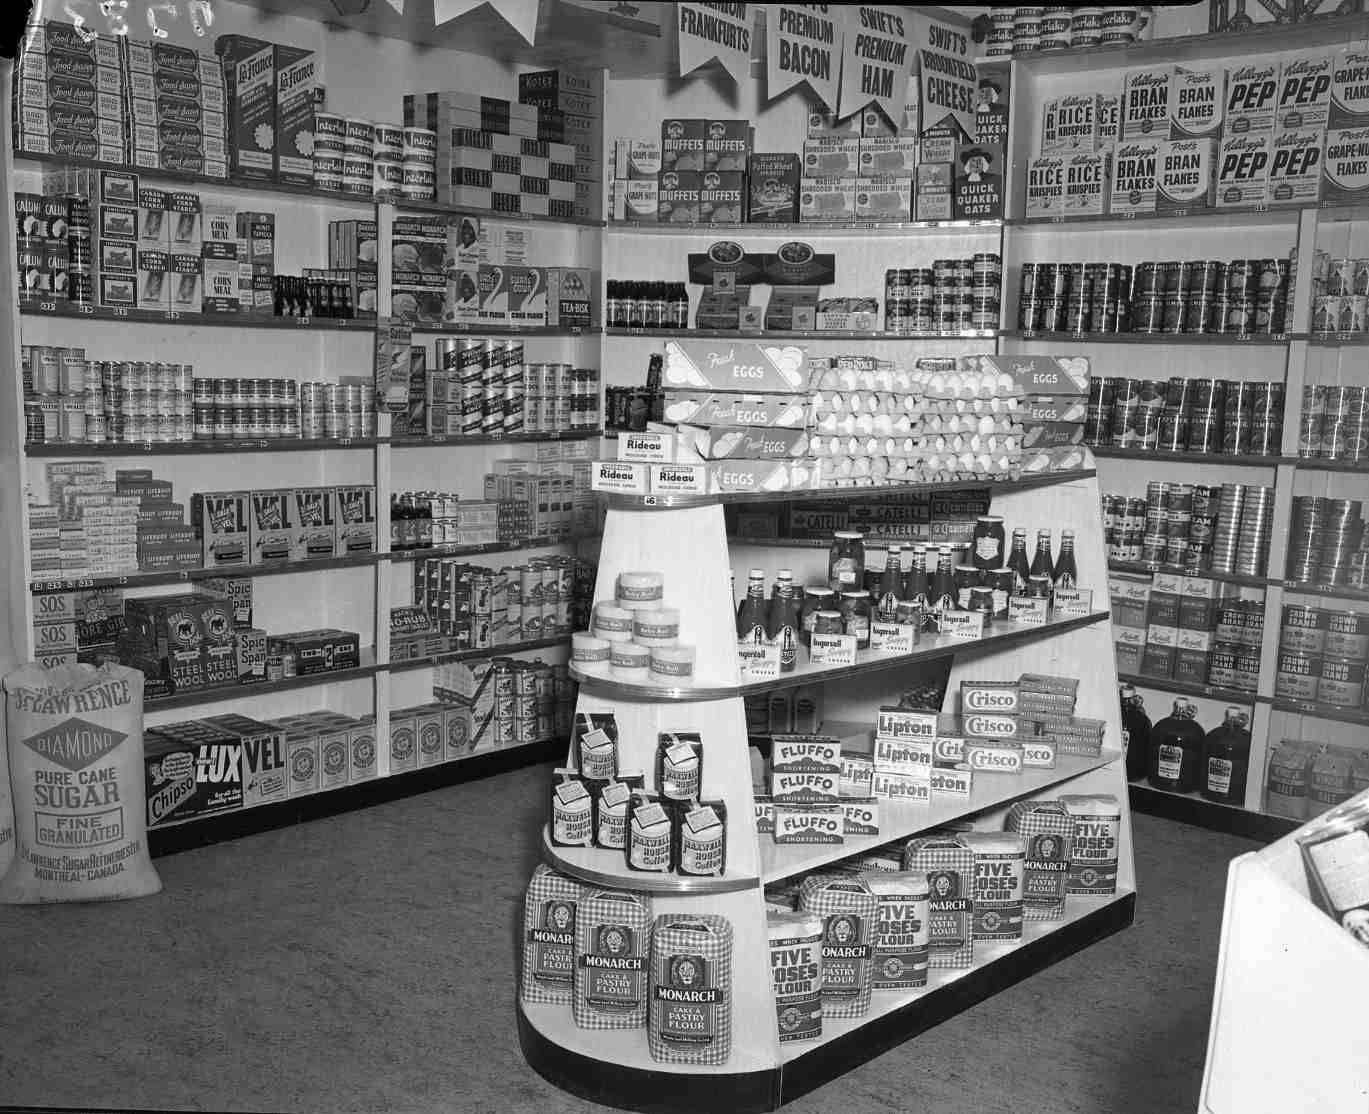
<point>1345,165</point>
<point>1304,93</point>
<point>1196,101</point>
<point>1349,90</point>
<point>1145,104</point>
<point>1184,177</point>
<point>1295,168</point>
<point>1252,95</point>
<point>1134,169</point>
<point>1243,170</point>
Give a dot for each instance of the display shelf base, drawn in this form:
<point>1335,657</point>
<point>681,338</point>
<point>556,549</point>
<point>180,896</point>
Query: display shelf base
<point>298,810</point>
<point>599,867</point>
<point>1189,808</point>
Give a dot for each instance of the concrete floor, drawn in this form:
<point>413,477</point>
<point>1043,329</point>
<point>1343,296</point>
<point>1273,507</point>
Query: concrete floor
<point>366,962</point>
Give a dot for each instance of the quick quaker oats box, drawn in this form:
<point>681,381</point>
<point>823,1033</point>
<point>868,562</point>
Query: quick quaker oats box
<point>1345,165</point>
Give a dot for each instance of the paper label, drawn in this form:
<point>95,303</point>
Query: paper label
<point>965,625</point>
<point>1028,610</point>
<point>833,649</point>
<point>758,663</point>
<point>893,638</point>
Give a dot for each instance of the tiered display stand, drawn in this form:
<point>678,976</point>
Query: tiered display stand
<point>685,539</point>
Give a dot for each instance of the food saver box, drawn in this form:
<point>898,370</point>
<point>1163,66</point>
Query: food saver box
<point>1304,93</point>
<point>1252,95</point>
<point>1349,90</point>
<point>1046,186</point>
<point>1345,165</point>
<point>1184,175</point>
<point>1296,165</point>
<point>1134,169</point>
<point>1145,104</point>
<point>1243,170</point>
<point>1086,184</point>
<point>1196,101</point>
<point>735,365</point>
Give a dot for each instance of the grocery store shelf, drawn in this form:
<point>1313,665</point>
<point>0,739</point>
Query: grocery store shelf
<point>299,810</point>
<point>1233,460</point>
<point>820,228</point>
<point>800,543</point>
<point>1189,808</point>
<point>813,334</point>
<point>407,205</point>
<point>930,648</point>
<point>1316,464</point>
<point>191,697</point>
<point>602,682</point>
<point>1232,340</point>
<point>477,328</point>
<point>899,820</point>
<point>187,576</point>
<point>176,317</point>
<point>1316,708</point>
<point>871,491</point>
<point>484,652</point>
<point>1183,688</point>
<point>1338,340</point>
<point>196,448</point>
<point>1331,591</point>
<point>455,550</point>
<point>1185,219</point>
<point>599,867</point>
<point>440,440</point>
<point>1147,567</point>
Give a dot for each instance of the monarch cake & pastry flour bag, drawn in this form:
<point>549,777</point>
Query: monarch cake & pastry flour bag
<point>76,771</point>
<point>549,915</point>
<point>690,1018</point>
<point>848,909</point>
<point>947,862</point>
<point>1049,834</point>
<point>612,949</point>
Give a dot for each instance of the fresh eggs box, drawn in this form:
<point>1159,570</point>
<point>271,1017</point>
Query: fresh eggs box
<point>735,365</point>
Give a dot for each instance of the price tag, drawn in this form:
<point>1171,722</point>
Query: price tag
<point>1073,601</point>
<point>1028,610</point>
<point>833,649</point>
<point>965,625</point>
<point>893,638</point>
<point>758,663</point>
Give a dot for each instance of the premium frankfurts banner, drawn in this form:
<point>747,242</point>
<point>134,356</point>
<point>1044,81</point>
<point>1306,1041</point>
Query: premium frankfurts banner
<point>715,30</point>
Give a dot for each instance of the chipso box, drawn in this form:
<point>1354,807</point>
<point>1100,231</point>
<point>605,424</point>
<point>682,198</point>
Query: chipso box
<point>1087,184</point>
<point>1345,165</point>
<point>1196,102</point>
<point>1252,95</point>
<point>1349,90</point>
<point>1184,175</point>
<point>1295,166</point>
<point>1304,93</point>
<point>1145,104</point>
<point>1046,186</point>
<point>1134,170</point>
<point>1243,170</point>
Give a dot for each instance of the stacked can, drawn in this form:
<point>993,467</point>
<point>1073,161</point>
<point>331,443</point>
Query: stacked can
<point>1098,416</point>
<point>950,296</point>
<point>1324,541</point>
<point>80,249</point>
<point>1340,295</point>
<point>547,404</point>
<point>418,165</point>
<point>1334,424</point>
<point>1136,410</point>
<point>1031,29</point>
<point>1330,645</point>
<point>358,157</point>
<point>330,133</point>
<point>1244,522</point>
<point>1236,643</point>
<point>1124,521</point>
<point>141,402</point>
<point>336,410</point>
<point>243,409</point>
<point>1074,297</point>
<point>387,160</point>
<point>584,398</point>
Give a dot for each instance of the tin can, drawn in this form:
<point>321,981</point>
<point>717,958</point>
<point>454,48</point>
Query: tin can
<point>1347,635</point>
<point>1341,682</point>
<point>1340,279</point>
<point>1221,671</point>
<point>1297,675</point>
<point>1246,669</point>
<point>1326,313</point>
<point>1352,313</point>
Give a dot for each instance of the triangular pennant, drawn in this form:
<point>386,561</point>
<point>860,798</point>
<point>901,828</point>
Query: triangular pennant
<point>398,5</point>
<point>521,15</point>
<point>444,11</point>
<point>876,59</point>
<point>706,32</point>
<point>803,43</point>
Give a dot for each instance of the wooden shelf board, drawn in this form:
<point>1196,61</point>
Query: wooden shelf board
<point>192,697</point>
<point>599,867</point>
<point>1165,684</point>
<point>1359,716</point>
<point>818,228</point>
<point>197,448</point>
<point>409,664</point>
<point>815,334</point>
<point>475,328</point>
<point>1279,214</point>
<point>899,821</point>
<point>1230,340</point>
<point>1190,808</point>
<point>1245,460</point>
<point>1148,567</point>
<point>33,308</point>
<point>1326,591</point>
<point>1315,464</point>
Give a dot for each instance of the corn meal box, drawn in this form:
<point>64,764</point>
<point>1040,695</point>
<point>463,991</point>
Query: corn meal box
<point>1252,96</point>
<point>1345,165</point>
<point>1046,186</point>
<point>1145,104</point>
<point>1075,123</point>
<point>1243,170</point>
<point>1349,90</point>
<point>1185,175</point>
<point>1295,166</point>
<point>1304,93</point>
<point>1196,101</point>
<point>1087,182</point>
<point>1134,170</point>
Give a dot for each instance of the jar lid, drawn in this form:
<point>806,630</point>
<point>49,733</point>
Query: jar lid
<point>991,519</point>
<point>856,593</point>
<point>850,535</point>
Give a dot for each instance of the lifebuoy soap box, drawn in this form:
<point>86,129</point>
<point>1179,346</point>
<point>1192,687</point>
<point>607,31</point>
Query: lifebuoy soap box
<point>1252,96</point>
<point>1134,170</point>
<point>1184,175</point>
<point>1349,90</point>
<point>1295,165</point>
<point>1304,93</point>
<point>1197,99</point>
<point>1145,104</point>
<point>1345,169</point>
<point>1243,170</point>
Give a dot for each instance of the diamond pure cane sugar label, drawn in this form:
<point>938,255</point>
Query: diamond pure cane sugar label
<point>1295,166</point>
<point>1345,165</point>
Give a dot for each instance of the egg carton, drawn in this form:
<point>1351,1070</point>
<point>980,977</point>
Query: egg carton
<point>866,425</point>
<point>894,379</point>
<point>836,445</point>
<point>957,444</point>
<point>842,471</point>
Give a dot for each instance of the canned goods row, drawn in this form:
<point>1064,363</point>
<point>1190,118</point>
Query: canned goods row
<point>142,403</point>
<point>1344,277</point>
<point>1323,678</point>
<point>1186,415</point>
<point>1340,313</point>
<point>274,393</point>
<point>317,395</point>
<point>1240,622</point>
<point>239,423</point>
<point>1028,30</point>
<point>1326,542</point>
<point>1239,278</point>
<point>53,370</point>
<point>76,427</point>
<point>471,357</point>
<point>631,408</point>
<point>1340,633</point>
<point>1234,666</point>
<point>1334,423</point>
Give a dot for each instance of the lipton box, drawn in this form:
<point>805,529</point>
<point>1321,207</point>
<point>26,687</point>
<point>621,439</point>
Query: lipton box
<point>1087,184</point>
<point>1345,165</point>
<point>1349,90</point>
<point>773,188</point>
<point>1196,101</point>
<point>1295,168</point>
<point>1252,96</point>
<point>1304,93</point>
<point>1185,175</point>
<point>1046,186</point>
<point>220,519</point>
<point>1243,170</point>
<point>1145,104</point>
<point>1134,170</point>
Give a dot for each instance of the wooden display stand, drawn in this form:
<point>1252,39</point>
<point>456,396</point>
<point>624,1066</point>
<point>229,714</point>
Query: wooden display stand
<point>685,540</point>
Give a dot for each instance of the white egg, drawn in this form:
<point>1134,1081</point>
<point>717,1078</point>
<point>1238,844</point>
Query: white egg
<point>828,423</point>
<point>846,425</point>
<point>865,424</point>
<point>902,424</point>
<point>846,377</point>
<point>845,467</point>
<point>884,424</point>
<point>879,469</point>
<point>1005,384</point>
<point>884,380</point>
<point>829,379</point>
<point>866,380</point>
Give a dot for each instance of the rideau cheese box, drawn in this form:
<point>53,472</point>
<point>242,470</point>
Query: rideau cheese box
<point>1134,169</point>
<point>1345,165</point>
<point>1196,101</point>
<point>1184,177</point>
<point>1349,106</point>
<point>1295,166</point>
<point>1243,170</point>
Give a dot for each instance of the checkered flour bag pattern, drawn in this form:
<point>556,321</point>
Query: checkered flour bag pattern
<point>549,915</point>
<point>690,1019</point>
<point>612,950</point>
<point>848,909</point>
<point>1048,831</point>
<point>947,862</point>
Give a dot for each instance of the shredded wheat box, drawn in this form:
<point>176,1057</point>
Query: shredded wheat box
<point>1086,184</point>
<point>1243,170</point>
<point>1196,100</point>
<point>1046,186</point>
<point>1349,90</point>
<point>1252,94</point>
<point>1345,170</point>
<point>1145,104</point>
<point>1304,93</point>
<point>1295,166</point>
<point>1184,175</point>
<point>1134,168</point>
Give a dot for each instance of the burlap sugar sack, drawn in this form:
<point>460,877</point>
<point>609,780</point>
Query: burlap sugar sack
<point>612,950</point>
<point>848,910</point>
<point>1049,832</point>
<point>796,973</point>
<point>690,1019</point>
<point>549,915</point>
<point>76,776</point>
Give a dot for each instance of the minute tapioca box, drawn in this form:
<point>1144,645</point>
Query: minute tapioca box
<point>1243,170</point>
<point>1295,166</point>
<point>1185,175</point>
<point>1134,169</point>
<point>1304,93</point>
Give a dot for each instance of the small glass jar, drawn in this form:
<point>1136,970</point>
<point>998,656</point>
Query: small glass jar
<point>989,542</point>
<point>981,600</point>
<point>827,622</point>
<point>846,561</point>
<point>815,598</point>
<point>855,614</point>
<point>967,579</point>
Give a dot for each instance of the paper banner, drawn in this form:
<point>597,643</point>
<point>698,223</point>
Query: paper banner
<point>521,15</point>
<point>721,31</point>
<point>803,44</point>
<point>398,5</point>
<point>876,59</point>
<point>950,81</point>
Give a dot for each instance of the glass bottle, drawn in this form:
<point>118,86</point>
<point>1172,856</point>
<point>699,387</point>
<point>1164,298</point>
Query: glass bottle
<point>1066,571</point>
<point>1135,732</point>
<point>660,310</point>
<point>890,588</point>
<point>782,622</point>
<point>941,597</point>
<point>611,318</point>
<point>1043,562</point>
<point>680,307</point>
<point>1176,750</point>
<point>846,561</point>
<point>988,542</point>
<point>751,614</point>
<point>1018,563</point>
<point>1226,760</point>
<point>636,308</point>
<point>916,584</point>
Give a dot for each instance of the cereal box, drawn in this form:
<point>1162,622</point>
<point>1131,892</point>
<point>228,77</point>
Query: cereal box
<point>297,94</point>
<point>1145,104</point>
<point>1050,126</point>
<point>1252,94</point>
<point>884,199</point>
<point>773,182</point>
<point>1243,170</point>
<point>1304,93</point>
<point>721,197</point>
<point>1134,169</point>
<point>249,67</point>
<point>1109,120</point>
<point>827,199</point>
<point>682,145</point>
<point>1086,184</point>
<point>824,158</point>
<point>677,200</point>
<point>1345,170</point>
<point>1046,186</point>
<point>1295,166</point>
<point>1196,100</point>
<point>1076,123</point>
<point>1349,90</point>
<point>1184,176</point>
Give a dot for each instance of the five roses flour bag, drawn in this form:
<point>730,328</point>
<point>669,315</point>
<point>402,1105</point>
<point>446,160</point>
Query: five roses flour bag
<point>76,773</point>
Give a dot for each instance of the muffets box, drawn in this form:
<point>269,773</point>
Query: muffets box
<point>722,197</point>
<point>1243,170</point>
<point>1345,165</point>
<point>727,143</point>
<point>1185,175</point>
<point>1134,169</point>
<point>682,144</point>
<point>1042,375</point>
<point>1196,101</point>
<point>1304,92</point>
<point>1295,166</point>
<point>677,196</point>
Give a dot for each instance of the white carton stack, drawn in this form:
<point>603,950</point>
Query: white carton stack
<point>176,109</point>
<point>71,95</point>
